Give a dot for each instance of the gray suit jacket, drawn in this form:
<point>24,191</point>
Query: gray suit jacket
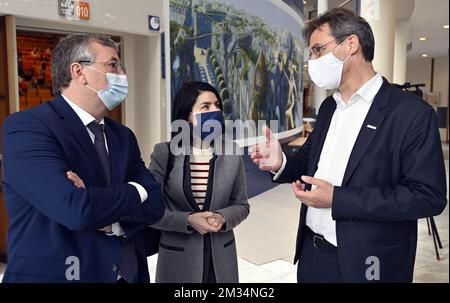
<point>181,251</point>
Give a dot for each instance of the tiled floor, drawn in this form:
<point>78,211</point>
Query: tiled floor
<point>266,241</point>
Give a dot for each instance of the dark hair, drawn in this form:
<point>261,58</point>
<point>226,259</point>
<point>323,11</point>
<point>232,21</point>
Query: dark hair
<point>74,48</point>
<point>343,23</point>
<point>186,97</point>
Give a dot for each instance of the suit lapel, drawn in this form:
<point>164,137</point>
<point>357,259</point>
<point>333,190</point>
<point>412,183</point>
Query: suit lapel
<point>116,157</point>
<point>73,123</point>
<point>187,187</point>
<point>370,127</point>
<point>321,136</point>
<point>316,150</point>
<point>213,163</point>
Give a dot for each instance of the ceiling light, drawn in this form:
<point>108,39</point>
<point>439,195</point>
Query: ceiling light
<point>445,26</point>
<point>304,2</point>
<point>423,38</point>
<point>424,55</point>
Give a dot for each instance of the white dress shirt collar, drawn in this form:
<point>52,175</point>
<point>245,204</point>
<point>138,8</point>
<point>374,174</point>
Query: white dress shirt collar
<point>367,92</point>
<point>84,116</point>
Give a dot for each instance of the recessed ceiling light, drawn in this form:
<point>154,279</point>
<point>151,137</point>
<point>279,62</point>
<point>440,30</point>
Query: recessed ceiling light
<point>423,38</point>
<point>445,26</point>
<point>304,2</point>
<point>424,55</point>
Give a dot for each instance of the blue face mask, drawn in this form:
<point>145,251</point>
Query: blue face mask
<point>116,91</point>
<point>209,123</point>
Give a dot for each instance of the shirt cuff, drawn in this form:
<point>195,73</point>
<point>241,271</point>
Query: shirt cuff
<point>280,171</point>
<point>117,229</point>
<point>141,190</point>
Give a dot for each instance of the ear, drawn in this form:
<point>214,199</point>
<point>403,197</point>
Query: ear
<point>353,43</point>
<point>76,70</point>
<point>191,119</point>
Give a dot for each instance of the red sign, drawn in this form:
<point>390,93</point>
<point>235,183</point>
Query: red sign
<point>82,10</point>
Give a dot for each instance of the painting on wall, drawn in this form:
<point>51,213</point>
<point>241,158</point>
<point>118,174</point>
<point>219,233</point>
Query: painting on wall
<point>297,5</point>
<point>250,51</point>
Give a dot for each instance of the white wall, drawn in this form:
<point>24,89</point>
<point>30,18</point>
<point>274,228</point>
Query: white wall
<point>147,112</point>
<point>441,85</point>
<point>441,79</point>
<point>419,71</point>
<point>402,38</point>
<point>382,19</point>
<point>119,15</point>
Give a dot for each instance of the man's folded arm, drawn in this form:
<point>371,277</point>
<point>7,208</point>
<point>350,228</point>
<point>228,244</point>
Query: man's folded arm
<point>153,206</point>
<point>34,167</point>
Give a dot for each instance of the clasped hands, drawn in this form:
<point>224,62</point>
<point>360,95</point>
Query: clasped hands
<point>206,222</point>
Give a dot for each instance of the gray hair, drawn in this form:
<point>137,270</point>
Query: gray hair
<point>344,23</point>
<point>74,48</point>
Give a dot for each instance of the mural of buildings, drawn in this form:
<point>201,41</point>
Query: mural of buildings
<point>255,65</point>
<point>297,5</point>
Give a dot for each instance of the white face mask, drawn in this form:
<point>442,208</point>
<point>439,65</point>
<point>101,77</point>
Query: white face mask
<point>116,91</point>
<point>326,71</point>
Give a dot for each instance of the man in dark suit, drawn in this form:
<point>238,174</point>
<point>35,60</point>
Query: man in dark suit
<point>372,166</point>
<point>77,193</point>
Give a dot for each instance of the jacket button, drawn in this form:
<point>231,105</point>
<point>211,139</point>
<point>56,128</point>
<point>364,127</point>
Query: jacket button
<point>115,268</point>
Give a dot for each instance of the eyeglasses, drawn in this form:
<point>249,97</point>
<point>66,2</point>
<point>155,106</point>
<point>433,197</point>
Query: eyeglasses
<point>114,66</point>
<point>317,50</point>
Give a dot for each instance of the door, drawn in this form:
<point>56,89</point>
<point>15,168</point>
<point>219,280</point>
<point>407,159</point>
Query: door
<point>4,112</point>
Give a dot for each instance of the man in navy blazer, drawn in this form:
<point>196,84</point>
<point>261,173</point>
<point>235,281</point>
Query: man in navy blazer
<point>77,192</point>
<point>372,166</point>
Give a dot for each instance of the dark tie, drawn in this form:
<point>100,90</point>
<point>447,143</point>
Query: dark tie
<point>100,146</point>
<point>128,266</point>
